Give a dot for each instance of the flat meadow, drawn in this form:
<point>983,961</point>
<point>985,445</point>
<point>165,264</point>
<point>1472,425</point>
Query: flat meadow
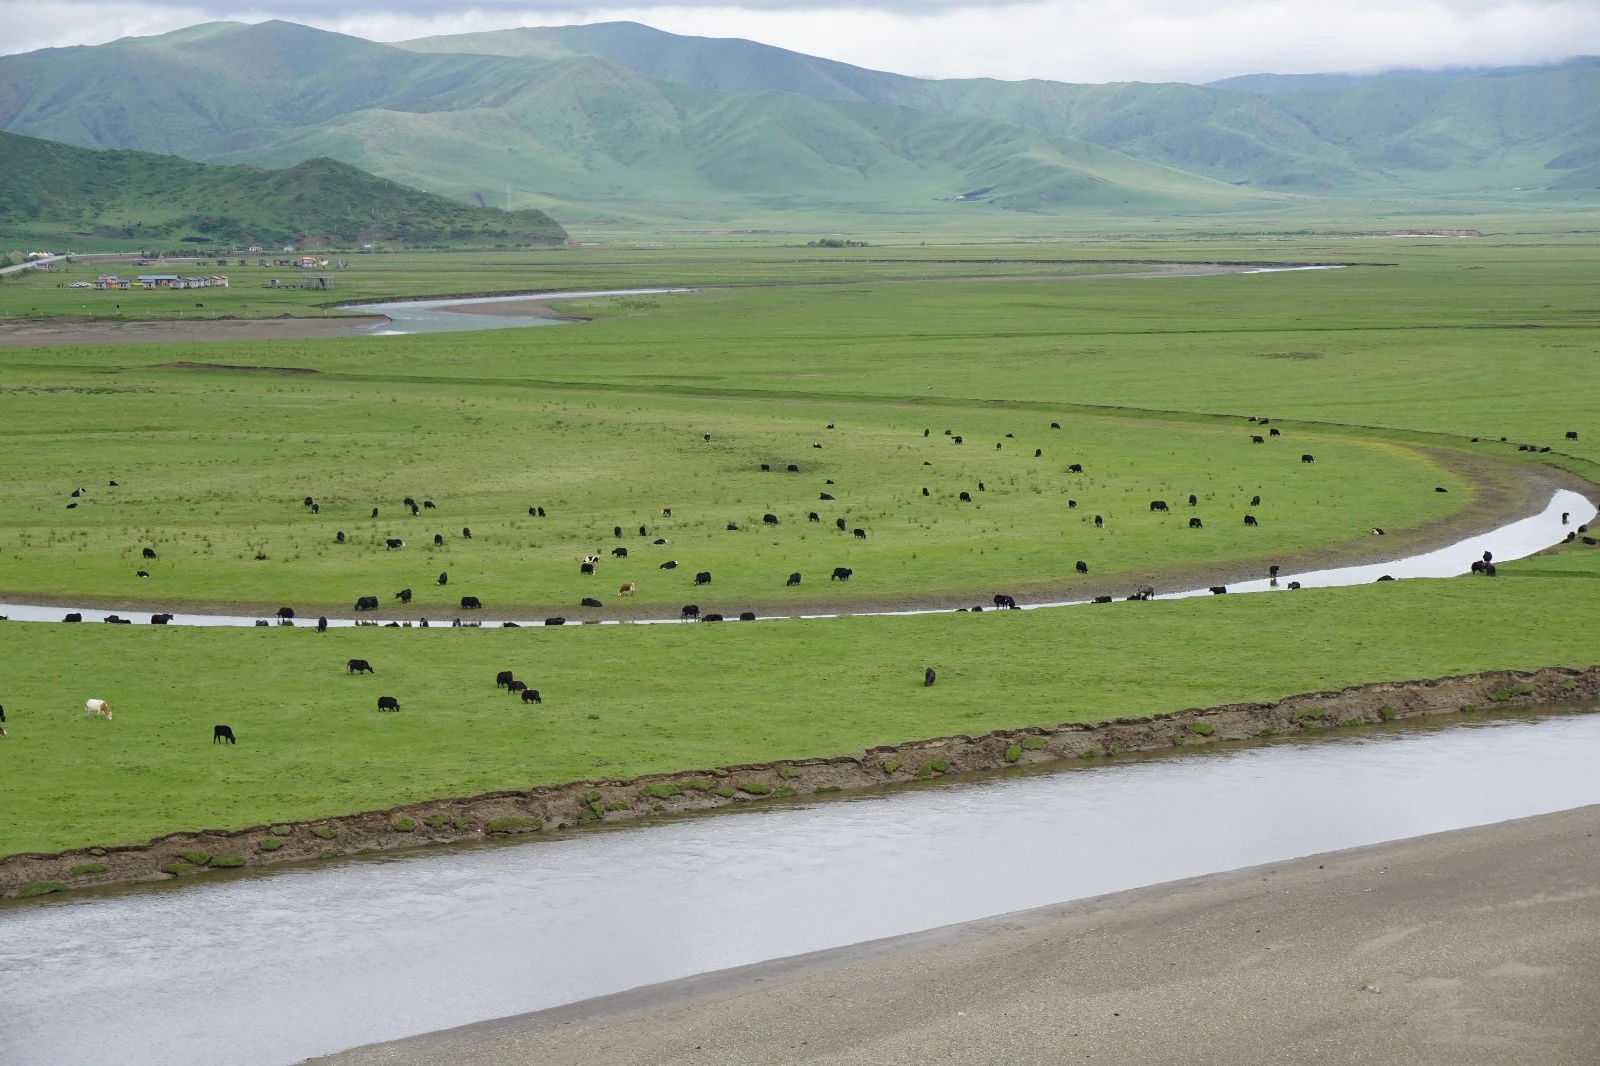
<point>1401,373</point>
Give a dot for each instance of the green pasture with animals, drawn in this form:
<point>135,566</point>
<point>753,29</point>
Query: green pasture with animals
<point>625,700</point>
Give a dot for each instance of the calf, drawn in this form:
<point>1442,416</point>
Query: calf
<point>388,703</point>
<point>666,512</point>
<point>794,579</point>
<point>616,531</point>
<point>358,666</point>
<point>590,601</point>
<point>841,573</point>
<point>367,603</point>
<point>929,677</point>
<point>670,564</point>
<point>626,589</point>
<point>1075,468</point>
<point>141,573</point>
<point>97,707</point>
<point>471,603</point>
<point>316,509</point>
<point>308,502</point>
<point>149,553</point>
<point>766,466</point>
<point>733,526</point>
<point>531,695</point>
<point>703,578</point>
<point>1294,585</point>
<point>1377,531</point>
<point>504,678</point>
<point>427,505</point>
<point>1572,434</point>
<point>221,733</point>
<point>404,595</point>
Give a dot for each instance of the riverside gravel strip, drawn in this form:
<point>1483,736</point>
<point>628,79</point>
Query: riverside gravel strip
<point>1474,946</point>
<point>577,805</point>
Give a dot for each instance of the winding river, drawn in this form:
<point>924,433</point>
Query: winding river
<point>1516,540</point>
<point>267,969</point>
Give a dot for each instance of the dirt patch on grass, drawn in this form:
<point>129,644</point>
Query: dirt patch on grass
<point>186,365</point>
<point>68,331</point>
<point>521,814</point>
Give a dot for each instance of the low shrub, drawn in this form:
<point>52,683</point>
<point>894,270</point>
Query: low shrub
<point>1013,753</point>
<point>1386,715</point>
<point>1468,708</point>
<point>1569,684</point>
<point>755,788</point>
<point>226,862</point>
<point>1265,733</point>
<point>725,792</point>
<point>281,830</point>
<point>464,823</point>
<point>589,814</point>
<point>590,798</point>
<point>1310,714</point>
<point>827,788</point>
<point>322,832</point>
<point>1089,753</point>
<point>271,844</point>
<point>438,821</point>
<point>615,805</point>
<point>891,766</point>
<point>660,790</point>
<point>512,826</point>
<point>1033,743</point>
<point>788,772</point>
<point>934,766</point>
<point>85,869</point>
<point>658,808</point>
<point>1346,723</point>
<point>1511,693</point>
<point>405,825</point>
<point>782,792</point>
<point>178,867</point>
<point>1203,729</point>
<point>41,888</point>
<point>199,858</point>
<point>328,853</point>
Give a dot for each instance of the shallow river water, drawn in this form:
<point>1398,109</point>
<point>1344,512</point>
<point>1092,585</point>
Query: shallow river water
<point>271,968</point>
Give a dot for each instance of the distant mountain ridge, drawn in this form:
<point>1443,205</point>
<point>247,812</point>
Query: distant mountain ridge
<point>621,120</point>
<point>56,191</point>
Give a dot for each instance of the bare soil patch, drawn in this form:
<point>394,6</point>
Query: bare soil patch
<point>70,332</point>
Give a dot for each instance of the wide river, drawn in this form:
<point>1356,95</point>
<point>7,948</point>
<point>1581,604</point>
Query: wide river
<point>268,969</point>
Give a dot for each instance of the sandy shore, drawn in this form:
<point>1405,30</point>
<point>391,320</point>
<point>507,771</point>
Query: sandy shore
<point>1477,946</point>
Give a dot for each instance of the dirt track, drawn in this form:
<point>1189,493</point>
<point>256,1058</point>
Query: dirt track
<point>1477,946</point>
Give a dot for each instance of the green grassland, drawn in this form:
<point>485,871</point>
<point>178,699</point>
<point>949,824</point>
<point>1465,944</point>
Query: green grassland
<point>602,421</point>
<point>624,700</point>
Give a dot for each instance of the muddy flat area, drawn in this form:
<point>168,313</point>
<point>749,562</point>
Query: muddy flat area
<point>66,331</point>
<point>1475,946</point>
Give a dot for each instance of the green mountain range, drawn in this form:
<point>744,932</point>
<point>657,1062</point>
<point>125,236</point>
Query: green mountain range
<point>620,120</point>
<point>55,192</point>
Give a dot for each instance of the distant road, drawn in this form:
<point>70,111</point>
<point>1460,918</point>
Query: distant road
<point>45,261</point>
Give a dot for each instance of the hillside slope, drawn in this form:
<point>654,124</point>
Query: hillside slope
<point>55,191</point>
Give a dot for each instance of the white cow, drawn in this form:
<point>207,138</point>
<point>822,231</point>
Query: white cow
<point>100,707</point>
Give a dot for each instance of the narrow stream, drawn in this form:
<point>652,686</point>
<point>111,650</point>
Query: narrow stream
<point>1516,540</point>
<point>454,315</point>
<point>268,969</point>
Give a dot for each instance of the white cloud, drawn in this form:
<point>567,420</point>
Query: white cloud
<point>1069,40</point>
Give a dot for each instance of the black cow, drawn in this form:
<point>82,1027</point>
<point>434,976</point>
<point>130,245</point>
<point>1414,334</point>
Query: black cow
<point>404,595</point>
<point>2,714</point>
<point>929,677</point>
<point>980,487</point>
<point>322,624</point>
<point>409,502</point>
<point>585,568</point>
<point>691,610</point>
<point>1256,438</point>
<point>1193,500</point>
<point>1440,488</point>
<point>391,543</point>
<point>367,603</point>
<point>860,533</point>
<point>1273,432</point>
<point>1272,571</point>
<point>1488,557</point>
<point>141,573</point>
<point>1082,567</point>
<point>374,512</point>
<point>1308,458</point>
<point>338,538</point>
<point>531,695</point>
<point>998,445</point>
<point>308,502</point>
<point>443,578</point>
<point>515,686</point>
<point>70,506</point>
<point>703,578</point>
<point>766,466</point>
<point>1055,425</point>
<point>555,621</point>
<point>1386,577</point>
<point>221,733</point>
<point>316,509</point>
<point>816,445</point>
<point>1008,602</point>
<point>590,601</point>
<point>285,612</point>
<point>1488,570</point>
<point>1098,521</point>
<point>388,703</point>
<point>504,678</point>
<point>711,618</point>
<point>707,436</point>
<point>1250,520</point>
<point>149,553</point>
<point>358,666</point>
<point>1072,505</point>
<point>813,517</point>
<point>619,553</point>
<point>747,616</point>
<point>1218,590</point>
<point>841,573</point>
<point>1038,453</point>
<point>541,512</point>
<point>1075,468</point>
<point>794,579</point>
<point>438,540</point>
<point>966,497</point>
<point>118,620</point>
<point>427,505</point>
<point>924,432</point>
<point>1158,505</point>
<point>670,564</point>
<point>467,533</point>
<point>924,490</point>
<point>794,468</point>
<point>1294,585</point>
<point>160,619</point>
<point>1572,434</point>
<point>616,531</point>
<point>414,511</point>
<point>839,523</point>
<point>1255,501</point>
<point>1377,531</point>
<point>1195,523</point>
<point>1565,516</point>
<point>643,532</point>
<point>770,519</point>
<point>471,603</point>
<point>1102,599</point>
<point>666,512</point>
<point>825,496</point>
<point>533,511</point>
<point>733,527</point>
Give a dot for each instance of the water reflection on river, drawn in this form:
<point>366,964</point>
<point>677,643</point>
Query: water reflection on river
<point>272,968</point>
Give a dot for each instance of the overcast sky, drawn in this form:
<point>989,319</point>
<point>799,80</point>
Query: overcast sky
<point>1068,40</point>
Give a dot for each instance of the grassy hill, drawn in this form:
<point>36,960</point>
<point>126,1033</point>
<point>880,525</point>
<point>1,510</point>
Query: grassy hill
<point>618,120</point>
<point>55,191</point>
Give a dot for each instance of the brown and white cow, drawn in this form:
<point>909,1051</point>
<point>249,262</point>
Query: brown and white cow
<point>100,707</point>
